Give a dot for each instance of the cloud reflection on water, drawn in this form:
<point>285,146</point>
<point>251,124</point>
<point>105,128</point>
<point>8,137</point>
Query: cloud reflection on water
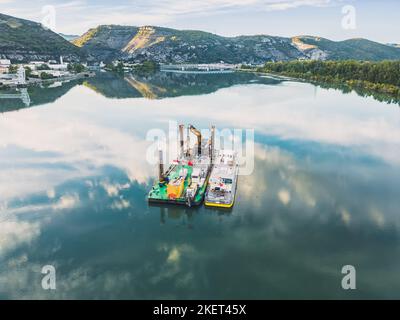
<point>74,179</point>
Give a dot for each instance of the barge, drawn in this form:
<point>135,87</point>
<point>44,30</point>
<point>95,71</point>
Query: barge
<point>222,185</point>
<point>185,181</point>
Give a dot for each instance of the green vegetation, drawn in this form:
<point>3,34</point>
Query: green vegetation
<point>162,85</point>
<point>43,67</point>
<point>30,39</point>
<point>39,95</point>
<point>165,45</point>
<point>76,67</point>
<point>363,77</point>
<point>118,68</point>
<point>80,41</point>
<point>45,76</point>
<point>357,49</point>
<point>142,68</point>
<point>13,69</point>
<point>146,67</point>
<point>28,73</point>
<point>246,67</point>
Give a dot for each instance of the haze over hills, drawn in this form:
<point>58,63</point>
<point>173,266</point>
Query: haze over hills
<point>25,40</point>
<point>69,37</point>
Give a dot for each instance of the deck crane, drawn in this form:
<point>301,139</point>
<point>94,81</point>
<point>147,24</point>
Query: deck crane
<point>198,135</point>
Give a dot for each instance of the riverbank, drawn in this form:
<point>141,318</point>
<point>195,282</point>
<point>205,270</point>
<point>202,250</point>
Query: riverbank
<point>377,79</point>
<point>37,81</point>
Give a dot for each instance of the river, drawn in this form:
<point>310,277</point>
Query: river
<point>324,192</point>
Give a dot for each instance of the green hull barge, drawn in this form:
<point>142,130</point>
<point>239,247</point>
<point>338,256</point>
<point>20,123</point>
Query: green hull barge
<point>159,192</point>
<point>185,182</point>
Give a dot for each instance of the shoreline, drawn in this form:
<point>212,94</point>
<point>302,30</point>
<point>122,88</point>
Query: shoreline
<point>361,87</point>
<point>37,81</point>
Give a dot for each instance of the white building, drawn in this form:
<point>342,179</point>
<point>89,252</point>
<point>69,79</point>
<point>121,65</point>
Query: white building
<point>37,63</point>
<point>21,75</point>
<point>61,66</point>
<point>52,64</point>
<point>14,79</point>
<point>6,79</point>
<point>4,65</point>
<point>54,73</point>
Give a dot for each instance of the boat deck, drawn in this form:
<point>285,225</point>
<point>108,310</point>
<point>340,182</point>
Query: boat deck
<point>223,182</point>
<point>159,193</point>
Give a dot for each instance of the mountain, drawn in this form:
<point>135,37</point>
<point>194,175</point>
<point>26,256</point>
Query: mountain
<point>69,37</point>
<point>165,45</point>
<point>169,45</point>
<point>23,40</point>
<point>358,49</point>
<point>106,42</point>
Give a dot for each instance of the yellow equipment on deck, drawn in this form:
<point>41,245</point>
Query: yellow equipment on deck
<point>175,188</point>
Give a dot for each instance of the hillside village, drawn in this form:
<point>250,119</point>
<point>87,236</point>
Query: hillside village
<point>22,74</point>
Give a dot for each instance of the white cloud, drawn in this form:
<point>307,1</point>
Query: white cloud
<point>13,233</point>
<point>74,136</point>
<point>78,16</point>
<point>120,204</point>
<point>174,7</point>
<point>291,4</point>
<point>345,215</point>
<point>377,216</point>
<point>67,202</point>
<point>84,137</point>
<point>284,196</point>
<point>174,255</point>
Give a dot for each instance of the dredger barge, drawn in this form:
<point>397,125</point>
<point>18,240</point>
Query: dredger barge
<point>185,181</point>
<point>199,173</point>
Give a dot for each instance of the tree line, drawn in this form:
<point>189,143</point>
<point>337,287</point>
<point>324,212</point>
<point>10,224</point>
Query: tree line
<point>385,72</point>
<point>380,77</point>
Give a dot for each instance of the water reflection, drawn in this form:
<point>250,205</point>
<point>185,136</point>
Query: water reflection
<point>151,86</point>
<point>269,246</point>
<point>21,94</point>
<point>324,193</point>
<point>363,92</point>
<point>33,95</point>
<point>163,84</point>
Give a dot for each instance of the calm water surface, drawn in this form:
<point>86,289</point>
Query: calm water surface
<point>325,192</point>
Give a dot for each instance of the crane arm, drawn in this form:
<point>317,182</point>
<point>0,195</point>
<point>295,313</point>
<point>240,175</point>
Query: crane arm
<point>198,135</point>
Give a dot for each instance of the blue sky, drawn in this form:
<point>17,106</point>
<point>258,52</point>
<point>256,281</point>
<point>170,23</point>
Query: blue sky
<point>374,19</point>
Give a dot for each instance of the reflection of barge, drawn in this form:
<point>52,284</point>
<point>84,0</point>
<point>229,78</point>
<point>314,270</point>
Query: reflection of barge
<point>186,180</point>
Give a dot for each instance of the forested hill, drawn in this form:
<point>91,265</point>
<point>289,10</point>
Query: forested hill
<point>380,77</point>
<point>165,45</point>
<point>24,40</point>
